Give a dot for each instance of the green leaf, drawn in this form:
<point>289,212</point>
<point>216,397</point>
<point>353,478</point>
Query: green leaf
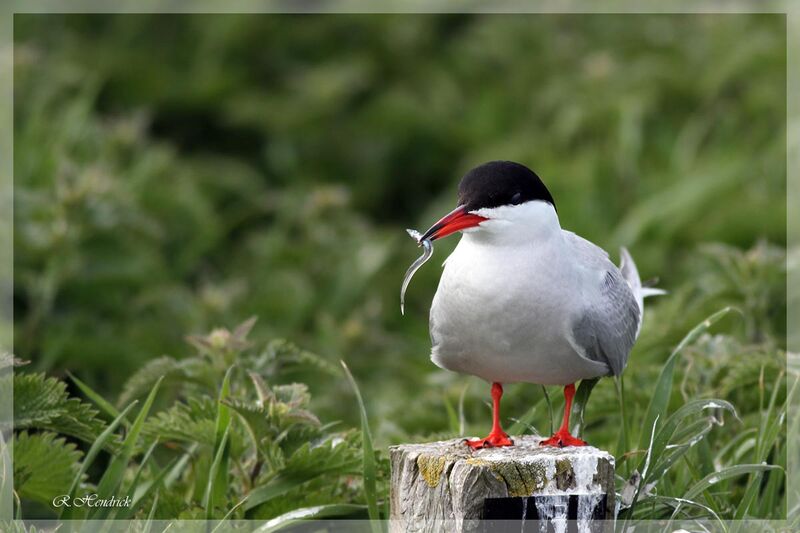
<point>666,431</point>
<point>149,522</point>
<point>213,488</point>
<point>659,402</point>
<point>726,473</point>
<point>318,512</point>
<point>217,487</point>
<point>452,416</point>
<point>101,402</point>
<point>164,367</point>
<point>522,424</point>
<point>44,466</point>
<point>273,420</point>
<point>175,472</point>
<point>622,442</point>
<point>7,478</point>
<point>766,439</point>
<point>112,477</point>
<point>369,469</point>
<point>580,401</point>
<point>95,449</point>
<point>281,353</point>
<point>329,458</point>
<point>140,492</point>
<point>550,413</point>
<point>190,422</point>
<point>677,503</point>
<point>43,403</point>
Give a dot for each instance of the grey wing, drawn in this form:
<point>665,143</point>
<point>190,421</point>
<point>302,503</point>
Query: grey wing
<point>605,330</point>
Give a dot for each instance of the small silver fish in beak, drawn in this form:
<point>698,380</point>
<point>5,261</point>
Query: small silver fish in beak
<point>427,252</point>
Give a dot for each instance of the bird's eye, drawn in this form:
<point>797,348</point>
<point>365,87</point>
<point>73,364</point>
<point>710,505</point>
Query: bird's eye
<point>516,199</point>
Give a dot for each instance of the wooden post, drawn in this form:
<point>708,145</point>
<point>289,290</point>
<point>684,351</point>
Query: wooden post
<point>445,486</point>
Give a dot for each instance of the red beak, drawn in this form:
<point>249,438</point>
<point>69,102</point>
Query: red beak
<point>454,221</point>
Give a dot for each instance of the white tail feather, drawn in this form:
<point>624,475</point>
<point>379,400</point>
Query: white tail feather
<point>631,275</point>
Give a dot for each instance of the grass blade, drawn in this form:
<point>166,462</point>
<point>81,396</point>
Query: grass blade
<point>452,416</point>
<point>726,473</point>
<point>280,485</point>
<point>115,471</point>
<point>142,492</point>
<point>149,522</point>
<point>370,487</point>
<point>176,470</point>
<point>664,435</point>
<point>95,449</point>
<point>462,419</point>
<point>579,405</point>
<point>101,402</point>
<point>217,486</point>
<point>228,515</point>
<point>6,488</point>
<point>137,492</point>
<point>677,503</point>
<point>623,444</point>
<point>311,513</point>
<point>663,389</point>
<point>211,487</point>
<point>522,424</point>
<point>766,439</point>
<point>549,409</point>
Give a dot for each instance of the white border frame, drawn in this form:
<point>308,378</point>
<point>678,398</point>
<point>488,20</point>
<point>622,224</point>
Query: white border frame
<point>787,7</point>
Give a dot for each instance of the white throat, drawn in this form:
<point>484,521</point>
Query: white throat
<point>528,223</point>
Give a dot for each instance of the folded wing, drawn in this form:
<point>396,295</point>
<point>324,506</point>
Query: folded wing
<point>607,326</point>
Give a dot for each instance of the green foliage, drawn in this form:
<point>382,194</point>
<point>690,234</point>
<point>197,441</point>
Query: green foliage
<point>368,461</point>
<point>44,465</point>
<point>43,403</point>
<point>245,440</point>
<point>188,422</point>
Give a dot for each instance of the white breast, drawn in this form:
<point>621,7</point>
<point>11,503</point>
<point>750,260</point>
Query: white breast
<point>505,305</point>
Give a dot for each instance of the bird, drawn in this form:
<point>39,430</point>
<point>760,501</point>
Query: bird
<point>521,299</point>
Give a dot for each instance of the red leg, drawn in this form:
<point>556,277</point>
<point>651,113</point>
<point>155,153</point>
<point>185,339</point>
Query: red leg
<point>562,437</point>
<point>497,437</point>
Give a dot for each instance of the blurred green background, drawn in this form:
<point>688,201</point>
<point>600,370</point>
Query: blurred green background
<point>178,173</point>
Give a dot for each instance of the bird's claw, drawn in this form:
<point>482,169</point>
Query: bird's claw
<point>561,439</point>
<point>491,441</point>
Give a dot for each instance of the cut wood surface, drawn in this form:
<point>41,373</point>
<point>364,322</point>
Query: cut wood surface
<point>442,486</point>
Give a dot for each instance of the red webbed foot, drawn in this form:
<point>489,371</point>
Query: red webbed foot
<point>562,439</point>
<point>493,440</point>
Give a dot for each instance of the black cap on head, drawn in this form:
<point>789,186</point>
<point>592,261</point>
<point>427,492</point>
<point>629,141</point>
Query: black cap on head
<point>499,183</point>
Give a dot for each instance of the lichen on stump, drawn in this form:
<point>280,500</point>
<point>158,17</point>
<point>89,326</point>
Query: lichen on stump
<point>442,486</point>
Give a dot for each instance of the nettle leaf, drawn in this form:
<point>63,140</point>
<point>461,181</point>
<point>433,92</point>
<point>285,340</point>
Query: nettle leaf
<point>293,394</point>
<point>191,421</point>
<point>302,502</point>
<point>337,455</point>
<point>281,353</point>
<point>333,457</point>
<point>43,403</point>
<point>275,420</point>
<point>255,418</point>
<point>221,344</point>
<point>192,370</point>
<point>44,466</point>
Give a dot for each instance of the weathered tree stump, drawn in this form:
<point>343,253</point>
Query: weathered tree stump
<point>445,486</point>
